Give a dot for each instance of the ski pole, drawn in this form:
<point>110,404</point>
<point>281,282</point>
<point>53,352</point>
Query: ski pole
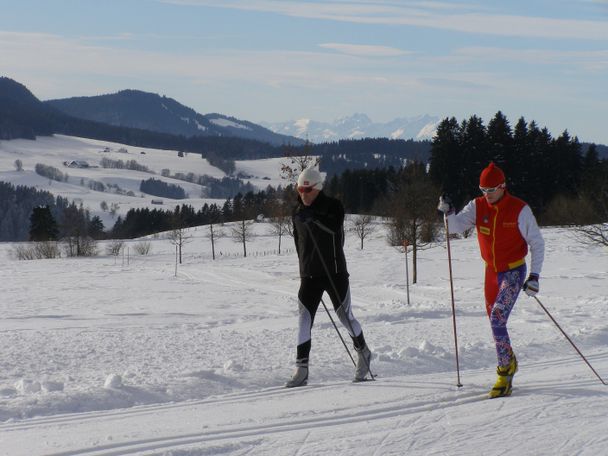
<point>447,237</point>
<point>569,340</point>
<point>333,285</point>
<point>338,331</point>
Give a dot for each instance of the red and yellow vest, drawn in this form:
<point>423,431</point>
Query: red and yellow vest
<point>502,245</point>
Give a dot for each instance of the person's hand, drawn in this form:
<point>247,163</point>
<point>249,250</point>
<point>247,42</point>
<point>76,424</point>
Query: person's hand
<point>445,204</point>
<point>531,286</point>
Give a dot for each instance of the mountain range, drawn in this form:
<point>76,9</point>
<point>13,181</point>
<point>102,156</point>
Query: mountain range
<point>357,126</point>
<point>153,112</point>
<point>23,115</point>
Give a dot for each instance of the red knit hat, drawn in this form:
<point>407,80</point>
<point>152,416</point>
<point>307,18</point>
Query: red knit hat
<point>492,176</point>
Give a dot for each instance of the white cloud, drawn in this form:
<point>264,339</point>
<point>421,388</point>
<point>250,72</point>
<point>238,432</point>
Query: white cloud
<point>365,50</point>
<point>589,60</point>
<point>438,15</point>
<point>76,67</point>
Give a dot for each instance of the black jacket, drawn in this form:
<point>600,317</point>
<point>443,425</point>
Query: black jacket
<point>323,219</point>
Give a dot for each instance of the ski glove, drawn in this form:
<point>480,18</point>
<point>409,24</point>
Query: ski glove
<point>445,204</point>
<point>531,285</point>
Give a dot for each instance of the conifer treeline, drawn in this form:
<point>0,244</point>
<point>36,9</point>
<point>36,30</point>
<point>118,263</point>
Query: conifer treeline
<point>141,222</point>
<point>362,191</point>
<point>17,205</point>
<point>540,169</point>
<point>368,153</point>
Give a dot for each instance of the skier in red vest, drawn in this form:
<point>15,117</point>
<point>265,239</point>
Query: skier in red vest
<point>505,228</point>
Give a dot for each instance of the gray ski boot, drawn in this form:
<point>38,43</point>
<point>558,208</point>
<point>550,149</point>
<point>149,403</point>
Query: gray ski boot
<point>299,377</point>
<point>364,357</point>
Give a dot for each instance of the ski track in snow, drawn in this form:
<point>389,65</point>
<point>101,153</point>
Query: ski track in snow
<point>423,401</point>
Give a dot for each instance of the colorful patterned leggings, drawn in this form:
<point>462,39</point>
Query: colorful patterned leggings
<point>501,291</point>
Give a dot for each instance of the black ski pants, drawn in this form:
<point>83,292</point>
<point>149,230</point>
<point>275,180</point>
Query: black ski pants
<point>309,297</point>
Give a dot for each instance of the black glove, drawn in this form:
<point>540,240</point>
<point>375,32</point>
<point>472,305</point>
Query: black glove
<point>531,286</point>
<point>445,204</point>
<point>305,215</point>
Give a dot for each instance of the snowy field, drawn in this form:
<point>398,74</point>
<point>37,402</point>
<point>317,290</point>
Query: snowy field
<point>54,151</point>
<point>104,356</point>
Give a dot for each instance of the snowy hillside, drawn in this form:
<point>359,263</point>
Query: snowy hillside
<point>105,356</point>
<point>54,151</point>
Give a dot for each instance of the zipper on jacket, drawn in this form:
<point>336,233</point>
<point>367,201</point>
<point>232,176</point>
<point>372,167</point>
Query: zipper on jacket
<point>333,241</point>
<point>494,238</point>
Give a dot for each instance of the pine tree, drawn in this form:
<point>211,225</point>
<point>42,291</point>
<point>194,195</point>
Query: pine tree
<point>474,143</point>
<point>501,145</point>
<point>447,160</point>
<point>43,226</point>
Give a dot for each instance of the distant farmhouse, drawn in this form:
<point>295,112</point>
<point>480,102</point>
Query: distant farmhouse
<point>76,164</point>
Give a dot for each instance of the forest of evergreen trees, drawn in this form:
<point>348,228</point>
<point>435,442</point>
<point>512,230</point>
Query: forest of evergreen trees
<point>560,183</point>
<point>18,203</point>
<point>368,153</point>
<point>160,188</point>
<point>141,222</point>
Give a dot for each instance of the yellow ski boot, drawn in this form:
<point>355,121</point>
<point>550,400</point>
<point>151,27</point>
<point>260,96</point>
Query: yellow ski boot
<point>504,383</point>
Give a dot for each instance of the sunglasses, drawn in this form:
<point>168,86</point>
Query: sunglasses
<point>306,189</point>
<point>485,190</point>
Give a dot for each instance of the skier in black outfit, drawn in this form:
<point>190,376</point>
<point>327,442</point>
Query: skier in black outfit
<point>321,216</point>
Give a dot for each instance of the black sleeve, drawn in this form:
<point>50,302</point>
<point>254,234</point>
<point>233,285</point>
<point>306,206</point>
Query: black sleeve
<point>295,231</point>
<point>340,214</point>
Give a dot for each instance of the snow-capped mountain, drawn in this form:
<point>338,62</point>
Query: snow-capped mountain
<point>355,127</point>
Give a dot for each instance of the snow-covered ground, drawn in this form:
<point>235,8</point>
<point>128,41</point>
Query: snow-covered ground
<point>55,150</point>
<point>105,356</point>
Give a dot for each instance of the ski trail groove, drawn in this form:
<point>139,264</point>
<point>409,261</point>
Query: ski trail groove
<point>402,408</point>
<point>155,408</point>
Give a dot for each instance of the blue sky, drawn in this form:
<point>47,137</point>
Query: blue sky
<point>274,60</point>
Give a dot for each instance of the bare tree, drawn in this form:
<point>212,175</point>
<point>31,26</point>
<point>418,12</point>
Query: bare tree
<point>18,165</point>
<point>114,248</point>
<point>143,247</point>
<point>242,232</point>
<point>179,237</point>
<point>594,230</point>
<point>36,250</point>
<point>47,249</point>
<point>280,220</point>
<point>296,162</point>
<point>79,246</point>
<point>592,234</point>
<point>280,225</point>
<point>113,208</point>
<point>213,235</point>
<point>414,215</point>
<point>362,226</point>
